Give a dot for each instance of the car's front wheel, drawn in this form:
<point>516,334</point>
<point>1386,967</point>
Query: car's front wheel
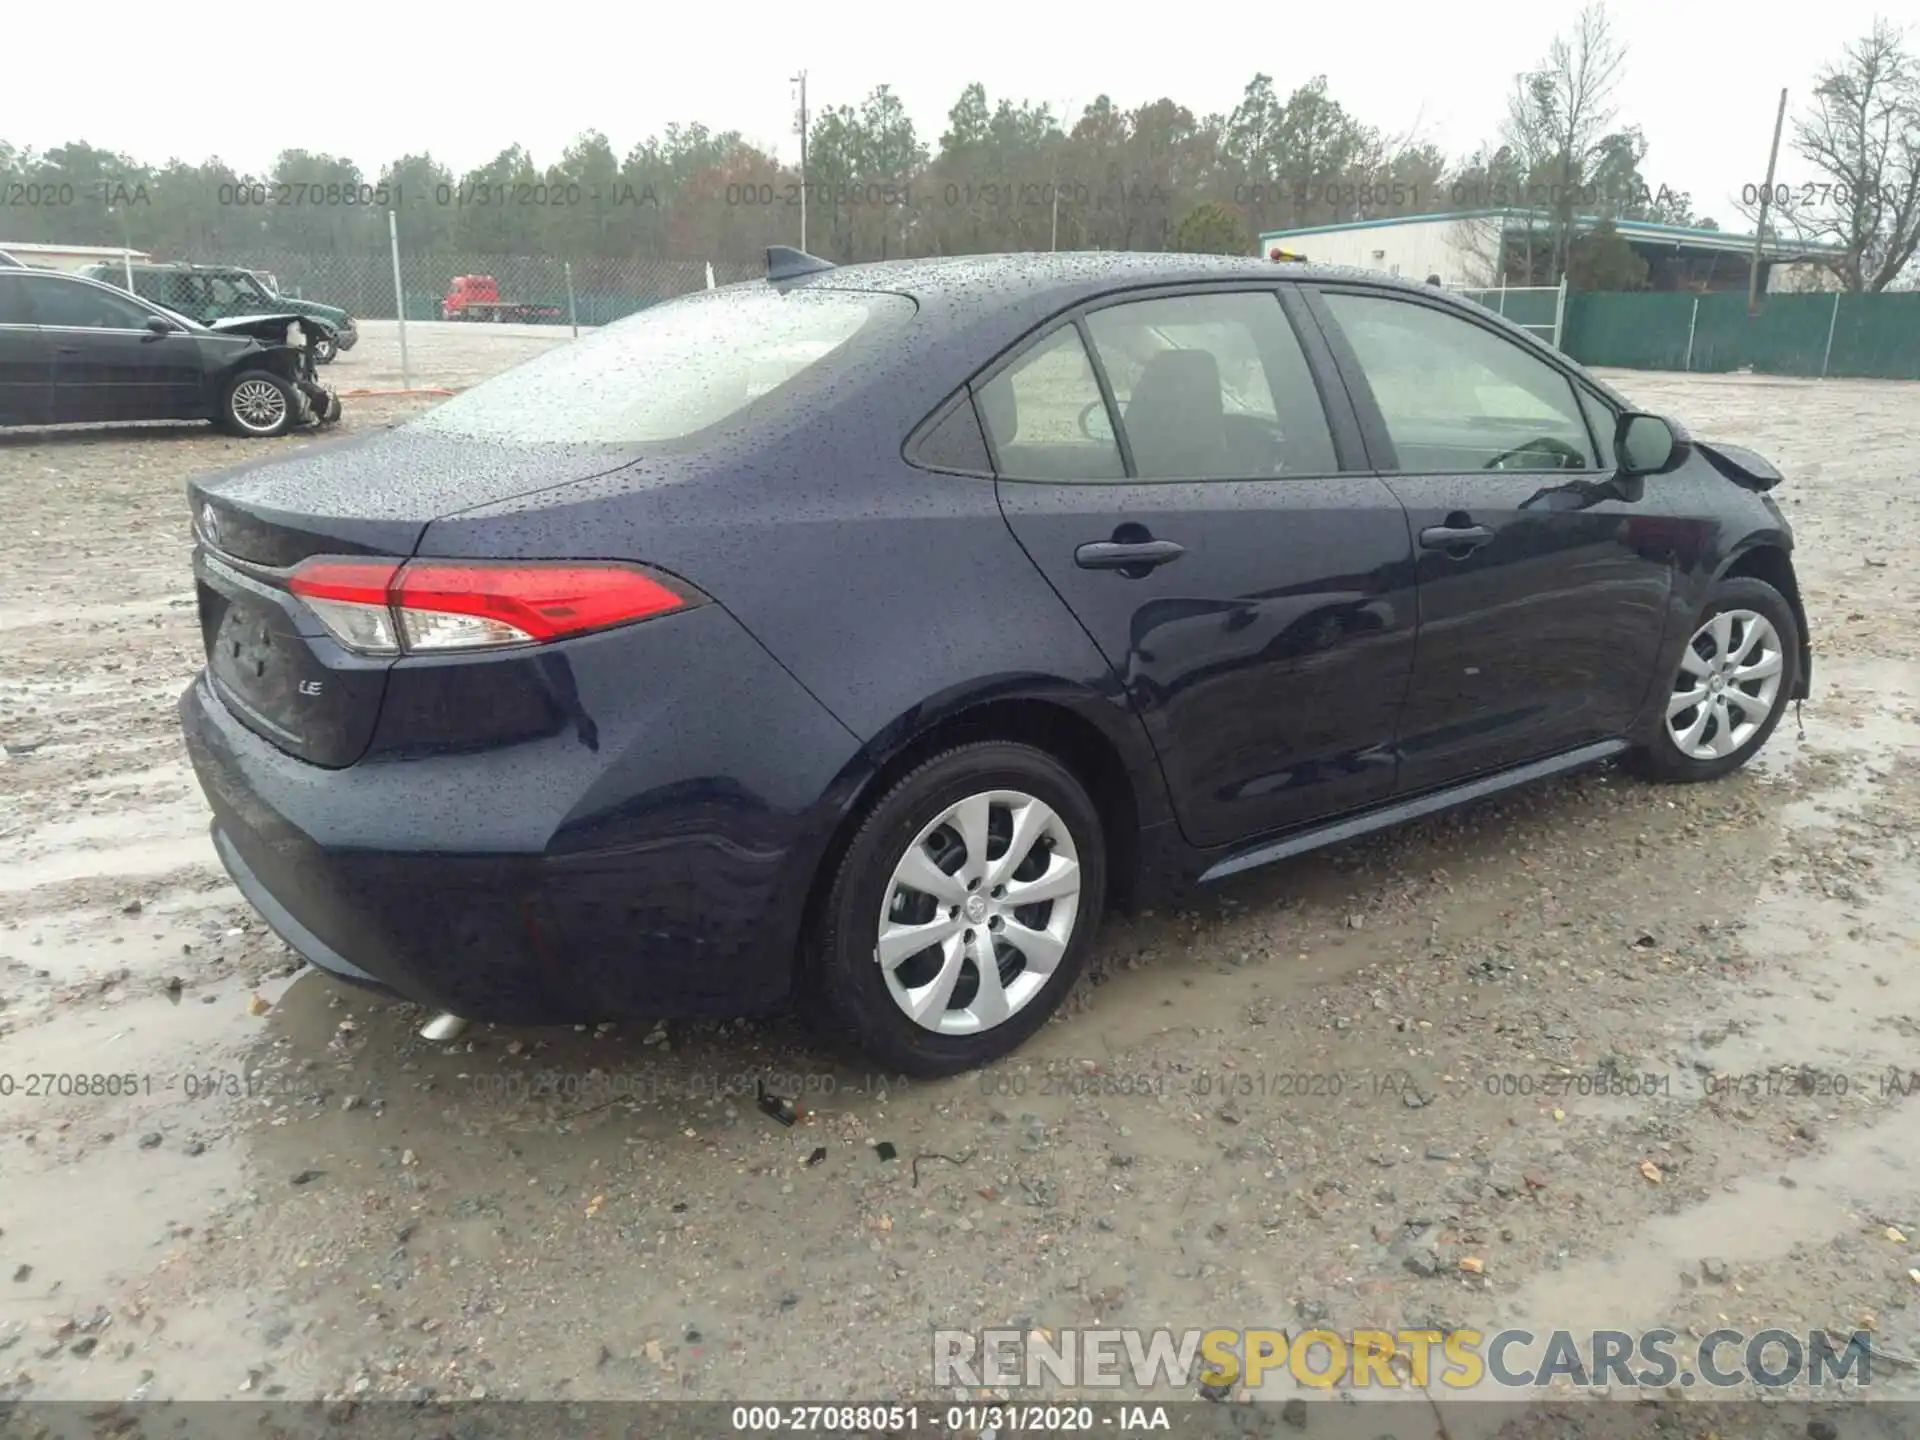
<point>1731,686</point>
<point>325,349</point>
<point>962,910</point>
<point>258,403</point>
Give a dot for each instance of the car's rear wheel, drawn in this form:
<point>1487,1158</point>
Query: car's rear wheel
<point>962,911</point>
<point>1739,668</point>
<point>258,403</point>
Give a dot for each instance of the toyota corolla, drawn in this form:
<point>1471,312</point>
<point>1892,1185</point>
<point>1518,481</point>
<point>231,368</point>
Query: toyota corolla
<point>857,636</point>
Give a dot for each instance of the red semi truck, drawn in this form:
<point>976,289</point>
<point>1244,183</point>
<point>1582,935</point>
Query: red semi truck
<point>477,297</point>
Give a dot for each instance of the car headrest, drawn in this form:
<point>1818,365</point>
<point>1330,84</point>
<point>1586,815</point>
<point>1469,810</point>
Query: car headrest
<point>1179,380</point>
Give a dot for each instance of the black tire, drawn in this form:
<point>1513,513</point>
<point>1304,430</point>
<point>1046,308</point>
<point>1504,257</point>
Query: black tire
<point>233,416</point>
<point>325,349</point>
<point>842,986</point>
<point>1659,757</point>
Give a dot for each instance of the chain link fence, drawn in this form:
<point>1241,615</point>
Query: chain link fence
<point>601,290</point>
<point>1540,309</point>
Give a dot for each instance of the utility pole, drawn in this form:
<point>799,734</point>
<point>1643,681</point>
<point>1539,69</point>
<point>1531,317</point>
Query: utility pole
<point>801,81</point>
<point>1760,229</point>
<point>400,297</point>
<point>1066,115</point>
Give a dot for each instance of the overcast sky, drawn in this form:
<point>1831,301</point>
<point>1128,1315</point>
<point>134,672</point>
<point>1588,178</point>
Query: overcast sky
<point>1701,80</point>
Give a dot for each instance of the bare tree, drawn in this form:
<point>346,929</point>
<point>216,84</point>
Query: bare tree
<point>1478,244</point>
<point>1557,126</point>
<point>1863,136</point>
<point>1491,179</point>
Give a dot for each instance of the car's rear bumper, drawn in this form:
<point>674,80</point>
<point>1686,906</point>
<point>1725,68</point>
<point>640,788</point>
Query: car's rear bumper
<point>655,865</point>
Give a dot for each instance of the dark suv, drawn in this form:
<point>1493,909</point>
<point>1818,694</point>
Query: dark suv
<point>218,292</point>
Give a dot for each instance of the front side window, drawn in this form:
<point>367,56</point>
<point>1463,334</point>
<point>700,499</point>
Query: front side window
<point>82,306</point>
<point>667,372</point>
<point>1045,416</point>
<point>1457,397</point>
<point>1212,386</point>
<point>177,290</point>
<point>229,290</point>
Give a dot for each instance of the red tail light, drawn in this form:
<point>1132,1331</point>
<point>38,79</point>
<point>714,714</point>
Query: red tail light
<point>390,607</point>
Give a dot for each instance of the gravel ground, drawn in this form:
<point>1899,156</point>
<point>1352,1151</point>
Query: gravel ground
<point>1305,1102</point>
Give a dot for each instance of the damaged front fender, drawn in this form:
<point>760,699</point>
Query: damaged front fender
<point>1740,465</point>
<point>285,349</point>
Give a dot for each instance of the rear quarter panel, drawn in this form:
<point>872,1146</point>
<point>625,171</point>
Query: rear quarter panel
<point>896,596</point>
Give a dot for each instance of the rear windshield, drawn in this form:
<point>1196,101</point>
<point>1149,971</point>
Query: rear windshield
<point>667,372</point>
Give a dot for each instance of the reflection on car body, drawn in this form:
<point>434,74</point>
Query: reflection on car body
<point>76,351</point>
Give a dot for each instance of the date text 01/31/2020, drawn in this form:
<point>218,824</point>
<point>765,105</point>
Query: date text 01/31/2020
<point>192,1085</point>
<point>1123,1419</point>
<point>1223,1084</point>
<point>660,1087</point>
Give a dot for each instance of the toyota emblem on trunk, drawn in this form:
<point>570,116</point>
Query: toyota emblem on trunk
<point>209,523</point>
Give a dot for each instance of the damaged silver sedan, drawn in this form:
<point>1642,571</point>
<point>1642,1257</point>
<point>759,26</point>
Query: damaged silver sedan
<point>76,352</point>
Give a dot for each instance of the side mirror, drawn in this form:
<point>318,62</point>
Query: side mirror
<point>159,326</point>
<point>1644,443</point>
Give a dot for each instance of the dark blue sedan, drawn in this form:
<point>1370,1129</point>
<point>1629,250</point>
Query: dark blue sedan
<point>858,635</point>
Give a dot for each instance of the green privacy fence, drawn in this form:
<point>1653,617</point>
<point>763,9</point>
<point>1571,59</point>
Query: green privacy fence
<point>1859,336</point>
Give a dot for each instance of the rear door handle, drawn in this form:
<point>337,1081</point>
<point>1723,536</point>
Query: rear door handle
<point>1137,557</point>
<point>1455,537</point>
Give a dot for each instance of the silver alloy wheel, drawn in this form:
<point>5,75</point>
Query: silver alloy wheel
<point>978,913</point>
<point>1728,684</point>
<point>258,405</point>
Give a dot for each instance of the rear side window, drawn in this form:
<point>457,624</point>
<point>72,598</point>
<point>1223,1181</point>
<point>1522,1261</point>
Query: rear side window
<point>955,443</point>
<point>78,305</point>
<point>1213,387</point>
<point>1045,416</point>
<point>668,372</point>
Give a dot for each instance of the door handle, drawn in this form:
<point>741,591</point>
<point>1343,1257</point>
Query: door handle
<point>1461,538</point>
<point>1135,558</point>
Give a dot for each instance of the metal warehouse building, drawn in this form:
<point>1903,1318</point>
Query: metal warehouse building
<point>1463,249</point>
<point>70,258</point>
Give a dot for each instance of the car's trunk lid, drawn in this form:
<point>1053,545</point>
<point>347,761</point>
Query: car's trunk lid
<point>268,656</point>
